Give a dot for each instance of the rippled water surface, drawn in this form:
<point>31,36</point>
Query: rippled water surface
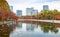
<point>36,30</point>
<point>30,29</point>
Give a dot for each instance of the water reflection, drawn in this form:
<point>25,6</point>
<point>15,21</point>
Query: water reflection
<point>37,29</point>
<point>45,27</point>
<point>30,29</point>
<point>5,30</point>
<point>19,25</point>
<point>49,27</point>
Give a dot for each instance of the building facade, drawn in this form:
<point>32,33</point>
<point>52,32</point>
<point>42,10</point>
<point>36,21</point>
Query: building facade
<point>31,11</point>
<point>11,8</point>
<point>34,12</point>
<point>45,7</point>
<point>19,12</point>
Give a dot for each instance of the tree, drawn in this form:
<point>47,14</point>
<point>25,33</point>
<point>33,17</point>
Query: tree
<point>49,14</point>
<point>4,5</point>
<point>5,12</point>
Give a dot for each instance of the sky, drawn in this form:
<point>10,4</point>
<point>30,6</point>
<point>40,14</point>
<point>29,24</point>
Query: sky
<point>36,4</point>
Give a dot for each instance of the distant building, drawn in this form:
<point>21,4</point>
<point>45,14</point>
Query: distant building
<point>19,12</point>
<point>11,8</point>
<point>34,12</point>
<point>31,11</point>
<point>45,7</point>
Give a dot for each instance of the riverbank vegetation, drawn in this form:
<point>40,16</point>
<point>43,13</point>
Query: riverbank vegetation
<point>44,15</point>
<point>49,14</point>
<point>5,30</point>
<point>5,12</point>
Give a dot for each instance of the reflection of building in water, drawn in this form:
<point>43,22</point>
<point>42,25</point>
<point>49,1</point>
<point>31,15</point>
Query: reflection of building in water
<point>30,27</point>
<point>19,25</point>
<point>27,26</point>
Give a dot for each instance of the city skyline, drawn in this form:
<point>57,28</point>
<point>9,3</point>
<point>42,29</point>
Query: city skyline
<point>37,4</point>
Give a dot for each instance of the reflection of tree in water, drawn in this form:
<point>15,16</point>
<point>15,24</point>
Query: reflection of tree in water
<point>4,31</point>
<point>49,27</point>
<point>46,27</point>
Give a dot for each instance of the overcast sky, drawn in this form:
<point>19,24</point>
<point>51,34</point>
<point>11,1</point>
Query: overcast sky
<point>36,4</point>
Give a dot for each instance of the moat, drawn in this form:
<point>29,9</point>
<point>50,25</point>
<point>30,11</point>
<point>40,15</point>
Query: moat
<point>30,29</point>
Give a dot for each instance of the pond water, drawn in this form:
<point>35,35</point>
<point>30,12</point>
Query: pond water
<point>36,30</point>
<point>30,29</point>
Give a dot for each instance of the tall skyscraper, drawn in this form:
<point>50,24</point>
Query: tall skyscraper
<point>45,7</point>
<point>34,12</point>
<point>19,12</point>
<point>11,8</point>
<point>31,11</point>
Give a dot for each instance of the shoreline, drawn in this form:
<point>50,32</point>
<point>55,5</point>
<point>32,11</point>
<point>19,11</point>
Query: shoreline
<point>51,21</point>
<point>47,21</point>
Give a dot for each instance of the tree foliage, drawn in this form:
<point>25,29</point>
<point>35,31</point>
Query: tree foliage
<point>5,12</point>
<point>49,14</point>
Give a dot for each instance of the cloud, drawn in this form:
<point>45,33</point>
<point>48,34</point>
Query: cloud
<point>37,4</point>
<point>21,1</point>
<point>29,1</point>
<point>44,1</point>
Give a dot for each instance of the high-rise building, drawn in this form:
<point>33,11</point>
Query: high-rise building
<point>19,12</point>
<point>11,8</point>
<point>34,12</point>
<point>31,11</point>
<point>45,7</point>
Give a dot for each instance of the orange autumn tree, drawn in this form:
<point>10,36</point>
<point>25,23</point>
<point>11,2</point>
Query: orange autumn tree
<point>7,15</point>
<point>12,16</point>
<point>5,12</point>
